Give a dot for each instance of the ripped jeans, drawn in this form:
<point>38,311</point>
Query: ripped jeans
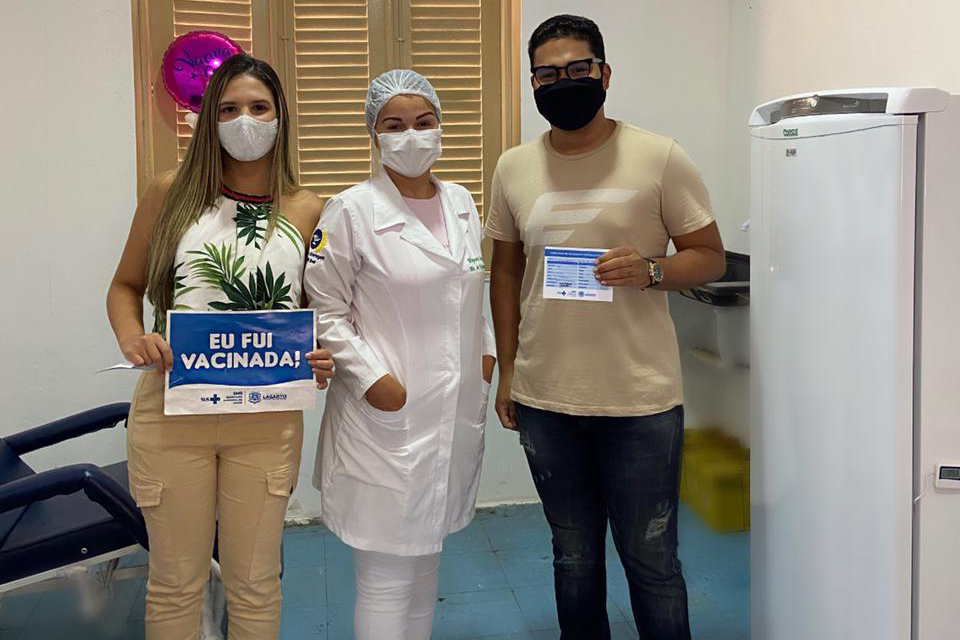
<point>591,469</point>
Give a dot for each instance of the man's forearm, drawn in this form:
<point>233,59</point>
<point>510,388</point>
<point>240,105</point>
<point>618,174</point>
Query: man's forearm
<point>691,267</point>
<point>505,304</point>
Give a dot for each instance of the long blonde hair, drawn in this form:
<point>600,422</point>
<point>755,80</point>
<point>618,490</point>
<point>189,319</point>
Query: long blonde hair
<point>199,180</point>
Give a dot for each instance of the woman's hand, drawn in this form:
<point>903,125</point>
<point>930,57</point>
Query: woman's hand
<point>322,364</point>
<point>387,394</point>
<point>488,363</point>
<point>149,349</point>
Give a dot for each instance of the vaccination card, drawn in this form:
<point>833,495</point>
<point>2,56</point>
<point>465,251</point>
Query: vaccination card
<point>568,275</point>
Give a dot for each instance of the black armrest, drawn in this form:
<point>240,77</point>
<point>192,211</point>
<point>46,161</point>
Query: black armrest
<point>91,479</point>
<point>67,428</point>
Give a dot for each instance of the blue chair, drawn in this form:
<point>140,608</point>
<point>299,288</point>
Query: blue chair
<point>80,514</point>
<point>77,516</point>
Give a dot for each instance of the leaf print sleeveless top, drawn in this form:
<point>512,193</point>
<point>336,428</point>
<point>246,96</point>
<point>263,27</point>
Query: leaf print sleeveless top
<point>225,262</point>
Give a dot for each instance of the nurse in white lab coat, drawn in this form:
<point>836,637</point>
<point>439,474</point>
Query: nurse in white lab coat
<point>396,274</point>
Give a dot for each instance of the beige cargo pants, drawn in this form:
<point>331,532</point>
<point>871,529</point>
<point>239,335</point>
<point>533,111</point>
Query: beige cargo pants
<point>191,474</point>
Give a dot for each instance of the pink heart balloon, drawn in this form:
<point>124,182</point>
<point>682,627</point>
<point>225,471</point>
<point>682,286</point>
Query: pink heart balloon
<point>189,62</point>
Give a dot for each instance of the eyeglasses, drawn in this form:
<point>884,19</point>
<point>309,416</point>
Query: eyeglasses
<point>576,70</point>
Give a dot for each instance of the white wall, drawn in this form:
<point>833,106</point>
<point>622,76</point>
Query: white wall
<point>780,47</point>
<point>67,165</point>
<point>823,44</point>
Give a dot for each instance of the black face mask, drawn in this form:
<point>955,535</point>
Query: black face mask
<point>570,104</point>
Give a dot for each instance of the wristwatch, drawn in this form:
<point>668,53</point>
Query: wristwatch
<point>654,271</point>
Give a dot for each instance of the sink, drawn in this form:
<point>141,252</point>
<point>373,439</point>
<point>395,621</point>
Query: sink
<point>733,289</point>
<point>713,321</point>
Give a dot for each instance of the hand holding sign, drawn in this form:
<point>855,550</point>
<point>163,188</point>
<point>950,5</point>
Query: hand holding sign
<point>241,361</point>
<point>322,364</point>
<point>149,349</point>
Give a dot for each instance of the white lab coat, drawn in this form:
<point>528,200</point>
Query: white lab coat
<point>391,299</point>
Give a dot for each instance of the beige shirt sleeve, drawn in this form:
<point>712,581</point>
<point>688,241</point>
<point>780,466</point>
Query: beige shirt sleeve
<point>684,200</point>
<point>501,223</point>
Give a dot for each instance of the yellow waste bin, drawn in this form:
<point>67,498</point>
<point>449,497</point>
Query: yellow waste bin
<point>698,445</point>
<point>722,498</point>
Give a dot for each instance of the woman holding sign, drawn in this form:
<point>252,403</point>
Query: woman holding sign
<point>198,241</point>
<point>396,275</point>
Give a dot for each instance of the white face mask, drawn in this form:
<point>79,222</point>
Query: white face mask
<point>410,153</point>
<point>246,138</point>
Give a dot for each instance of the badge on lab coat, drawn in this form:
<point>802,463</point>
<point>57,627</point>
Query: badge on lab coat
<point>317,244</point>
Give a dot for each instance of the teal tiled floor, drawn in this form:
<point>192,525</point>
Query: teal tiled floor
<point>495,584</point>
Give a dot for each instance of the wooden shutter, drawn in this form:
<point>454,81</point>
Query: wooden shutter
<point>325,52</point>
<point>446,46</point>
<point>232,18</point>
<point>332,70</point>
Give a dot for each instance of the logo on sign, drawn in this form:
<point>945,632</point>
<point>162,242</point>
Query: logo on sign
<point>214,399</point>
<point>255,397</point>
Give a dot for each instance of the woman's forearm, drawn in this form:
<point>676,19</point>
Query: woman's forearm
<point>125,311</point>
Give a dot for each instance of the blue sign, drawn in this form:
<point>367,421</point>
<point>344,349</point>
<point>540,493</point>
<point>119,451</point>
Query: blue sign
<point>243,361</point>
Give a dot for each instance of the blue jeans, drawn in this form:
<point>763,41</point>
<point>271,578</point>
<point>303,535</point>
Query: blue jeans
<point>591,469</point>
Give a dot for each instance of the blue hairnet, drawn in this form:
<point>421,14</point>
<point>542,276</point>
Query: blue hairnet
<point>394,83</point>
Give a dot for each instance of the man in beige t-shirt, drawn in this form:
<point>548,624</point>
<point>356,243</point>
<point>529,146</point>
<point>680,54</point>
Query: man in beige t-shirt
<point>589,367</point>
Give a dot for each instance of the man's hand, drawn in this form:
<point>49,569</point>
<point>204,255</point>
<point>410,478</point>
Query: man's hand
<point>506,410</point>
<point>623,266</point>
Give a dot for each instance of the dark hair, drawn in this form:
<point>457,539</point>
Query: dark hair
<point>568,26</point>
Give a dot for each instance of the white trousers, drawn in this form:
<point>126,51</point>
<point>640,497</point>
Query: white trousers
<point>396,596</point>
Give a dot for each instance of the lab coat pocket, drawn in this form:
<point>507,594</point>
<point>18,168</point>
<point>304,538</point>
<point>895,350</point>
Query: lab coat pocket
<point>388,419</point>
<point>374,452</point>
<point>484,401</point>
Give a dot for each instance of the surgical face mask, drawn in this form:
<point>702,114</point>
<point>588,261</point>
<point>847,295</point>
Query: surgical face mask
<point>245,138</point>
<point>570,104</point>
<point>410,153</point>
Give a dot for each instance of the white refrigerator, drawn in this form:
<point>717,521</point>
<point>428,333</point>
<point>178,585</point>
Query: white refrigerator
<point>855,366</point>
